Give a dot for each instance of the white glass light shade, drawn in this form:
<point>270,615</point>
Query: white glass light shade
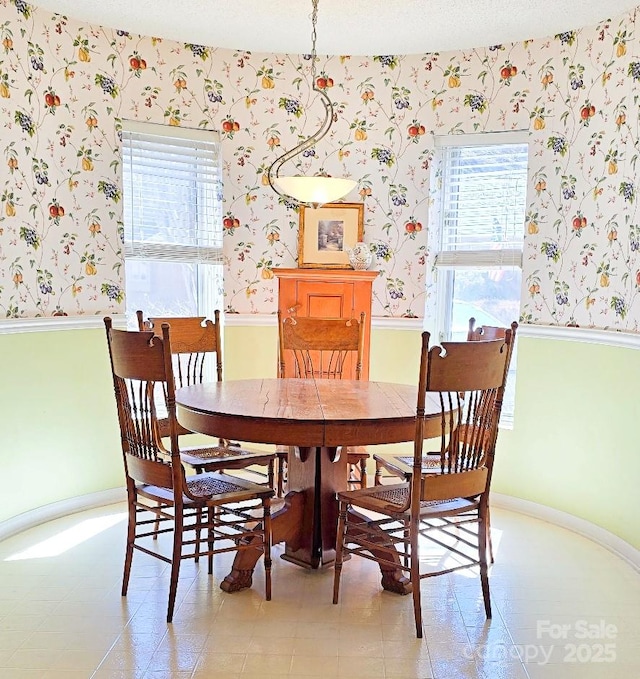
<point>314,190</point>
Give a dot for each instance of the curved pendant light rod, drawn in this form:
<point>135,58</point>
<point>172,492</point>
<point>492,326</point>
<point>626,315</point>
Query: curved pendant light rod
<point>274,168</point>
<point>273,173</point>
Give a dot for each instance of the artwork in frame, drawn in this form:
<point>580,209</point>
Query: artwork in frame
<point>327,233</point>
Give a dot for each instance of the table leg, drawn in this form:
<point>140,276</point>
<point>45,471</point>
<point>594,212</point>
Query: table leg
<point>333,478</point>
<point>319,473</point>
<point>303,477</point>
<point>285,526</point>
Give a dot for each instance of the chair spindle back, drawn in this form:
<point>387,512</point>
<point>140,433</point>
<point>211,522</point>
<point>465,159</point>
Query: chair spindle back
<point>467,379</point>
<point>321,347</point>
<point>140,362</point>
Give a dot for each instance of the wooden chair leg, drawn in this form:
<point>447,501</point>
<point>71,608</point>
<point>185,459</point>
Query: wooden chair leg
<point>198,529</point>
<point>484,570</point>
<point>337,567</point>
<point>377,479</point>
<point>363,473</point>
<point>266,524</point>
<point>407,537</point>
<point>414,559</point>
<point>156,524</point>
<point>175,560</point>
<point>282,472</point>
<point>131,536</point>
<point>271,474</point>
<point>211,538</point>
<point>489,540</point>
<point>280,484</point>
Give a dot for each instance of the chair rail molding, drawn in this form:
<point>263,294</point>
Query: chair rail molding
<point>627,340</point>
<point>613,338</point>
<point>11,326</point>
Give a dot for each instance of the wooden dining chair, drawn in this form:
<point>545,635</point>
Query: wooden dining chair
<point>401,466</point>
<point>323,348</point>
<point>486,332</point>
<point>447,507</point>
<point>234,514</point>
<point>194,341</point>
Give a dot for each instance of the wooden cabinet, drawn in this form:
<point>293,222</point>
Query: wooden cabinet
<point>328,293</point>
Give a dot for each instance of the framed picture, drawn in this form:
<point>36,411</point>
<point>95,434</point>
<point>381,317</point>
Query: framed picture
<point>327,233</point>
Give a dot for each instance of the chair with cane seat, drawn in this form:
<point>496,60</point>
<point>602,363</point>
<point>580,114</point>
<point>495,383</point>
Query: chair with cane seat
<point>194,340</point>
<point>324,348</point>
<point>234,514</point>
<point>448,506</point>
<point>402,466</point>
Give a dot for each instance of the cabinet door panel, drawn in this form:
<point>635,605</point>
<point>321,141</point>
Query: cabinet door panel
<point>325,300</point>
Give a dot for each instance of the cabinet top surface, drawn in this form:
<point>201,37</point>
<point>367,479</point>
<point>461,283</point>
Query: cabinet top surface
<point>326,274</point>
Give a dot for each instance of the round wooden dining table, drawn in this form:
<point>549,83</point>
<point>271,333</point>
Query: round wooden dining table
<point>317,419</point>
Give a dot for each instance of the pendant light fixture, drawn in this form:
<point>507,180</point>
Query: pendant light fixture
<point>315,190</point>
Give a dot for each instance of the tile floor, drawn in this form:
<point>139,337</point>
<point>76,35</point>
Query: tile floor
<point>563,608</point>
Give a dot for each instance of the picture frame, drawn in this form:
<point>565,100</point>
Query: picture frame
<point>326,234</point>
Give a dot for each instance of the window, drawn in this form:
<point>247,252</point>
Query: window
<point>172,196</point>
<point>482,214</point>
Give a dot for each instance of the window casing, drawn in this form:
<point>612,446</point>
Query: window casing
<point>483,193</point>
<point>172,200</point>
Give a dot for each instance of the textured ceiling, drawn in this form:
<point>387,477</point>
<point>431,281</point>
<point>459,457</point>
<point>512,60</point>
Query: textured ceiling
<point>344,26</point>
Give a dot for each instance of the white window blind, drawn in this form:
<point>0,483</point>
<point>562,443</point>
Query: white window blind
<point>172,187</point>
<point>483,202</point>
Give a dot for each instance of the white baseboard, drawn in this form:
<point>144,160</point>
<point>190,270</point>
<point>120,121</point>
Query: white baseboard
<point>56,510</point>
<point>573,523</point>
<point>556,517</point>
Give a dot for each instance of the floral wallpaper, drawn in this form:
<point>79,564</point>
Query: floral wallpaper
<point>65,86</point>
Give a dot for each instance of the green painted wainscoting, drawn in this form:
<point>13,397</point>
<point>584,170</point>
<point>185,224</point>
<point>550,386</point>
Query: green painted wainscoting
<point>59,426</point>
<point>574,447</point>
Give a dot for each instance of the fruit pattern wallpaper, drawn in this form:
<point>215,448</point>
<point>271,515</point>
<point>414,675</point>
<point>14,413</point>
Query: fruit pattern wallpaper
<point>66,85</point>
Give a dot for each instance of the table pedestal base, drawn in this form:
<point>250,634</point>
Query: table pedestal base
<point>286,526</point>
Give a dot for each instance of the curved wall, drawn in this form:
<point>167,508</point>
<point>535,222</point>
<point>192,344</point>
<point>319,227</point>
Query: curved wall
<point>573,447</point>
<point>59,429</point>
<point>65,86</point>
